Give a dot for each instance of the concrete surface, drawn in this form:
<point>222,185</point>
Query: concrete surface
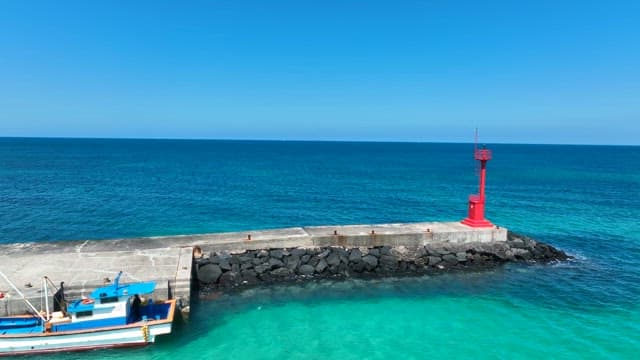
<point>84,265</point>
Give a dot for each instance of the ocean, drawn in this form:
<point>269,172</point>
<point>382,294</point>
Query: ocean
<point>584,200</point>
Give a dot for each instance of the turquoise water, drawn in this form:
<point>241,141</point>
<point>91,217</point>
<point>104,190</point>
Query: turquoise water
<point>582,199</point>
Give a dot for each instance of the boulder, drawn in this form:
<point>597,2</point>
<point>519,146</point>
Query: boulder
<point>224,264</point>
<point>385,250</point>
<point>299,252</point>
<point>276,254</point>
<point>388,259</point>
<point>333,259</point>
<point>314,261</point>
<point>450,259</point>
<point>306,270</point>
<point>275,263</point>
<point>357,266</point>
<point>434,260</point>
<point>322,265</point>
<point>262,253</point>
<point>324,253</point>
<point>209,273</point>
<point>355,255</point>
<point>249,277</point>
<point>340,251</point>
<point>292,262</point>
<point>281,272</point>
<point>261,268</point>
<point>375,252</point>
<point>371,261</point>
<point>305,259</point>
<point>230,278</point>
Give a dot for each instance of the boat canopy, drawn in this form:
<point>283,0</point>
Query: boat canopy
<point>124,290</point>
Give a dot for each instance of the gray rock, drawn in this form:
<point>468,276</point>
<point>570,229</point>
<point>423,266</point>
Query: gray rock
<point>257,261</point>
<point>421,251</point>
<point>518,243</point>
<point>340,251</point>
<point>388,259</point>
<point>245,259</point>
<point>246,266</point>
<point>275,263</point>
<point>306,270</point>
<point>357,266</point>
<point>450,259</point>
<point>314,261</point>
<point>355,255</point>
<point>434,260</point>
<point>262,268</point>
<point>292,262</point>
<point>235,268</point>
<point>209,273</point>
<point>333,259</point>
<point>298,252</point>
<point>249,277</point>
<point>385,250</point>
<point>324,254</point>
<point>371,261</point>
<point>215,259</point>
<point>262,253</point>
<point>276,254</point>
<point>375,252</point>
<point>281,272</point>
<point>522,254</point>
<point>305,259</point>
<point>229,278</point>
<point>461,256</point>
<point>224,265</point>
<point>322,265</point>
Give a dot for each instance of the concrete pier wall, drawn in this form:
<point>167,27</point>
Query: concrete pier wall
<point>85,265</point>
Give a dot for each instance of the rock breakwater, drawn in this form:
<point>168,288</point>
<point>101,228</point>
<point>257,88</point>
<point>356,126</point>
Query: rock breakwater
<point>226,270</point>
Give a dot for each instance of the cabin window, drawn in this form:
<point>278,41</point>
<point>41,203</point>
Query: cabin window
<point>80,314</point>
<point>109,299</point>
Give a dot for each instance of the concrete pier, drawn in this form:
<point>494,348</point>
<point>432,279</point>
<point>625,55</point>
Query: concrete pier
<point>85,265</point>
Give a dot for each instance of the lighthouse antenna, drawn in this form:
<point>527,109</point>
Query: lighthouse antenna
<point>475,143</point>
<point>476,165</point>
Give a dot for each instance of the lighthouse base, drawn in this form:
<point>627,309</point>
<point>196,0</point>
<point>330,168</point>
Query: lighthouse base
<point>475,217</point>
<point>477,223</point>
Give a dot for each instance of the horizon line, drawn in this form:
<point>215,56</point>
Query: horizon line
<point>302,140</point>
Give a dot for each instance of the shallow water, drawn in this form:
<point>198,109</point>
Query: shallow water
<point>582,199</point>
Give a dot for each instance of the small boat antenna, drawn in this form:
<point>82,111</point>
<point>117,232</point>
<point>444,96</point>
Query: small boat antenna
<point>23,297</point>
<point>116,282</point>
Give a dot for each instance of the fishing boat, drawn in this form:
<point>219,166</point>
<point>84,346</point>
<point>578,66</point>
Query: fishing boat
<point>114,315</point>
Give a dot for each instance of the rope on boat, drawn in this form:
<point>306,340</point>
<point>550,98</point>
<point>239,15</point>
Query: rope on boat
<point>145,333</point>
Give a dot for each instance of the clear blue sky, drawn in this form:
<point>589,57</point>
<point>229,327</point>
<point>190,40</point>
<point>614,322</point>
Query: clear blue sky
<point>522,71</point>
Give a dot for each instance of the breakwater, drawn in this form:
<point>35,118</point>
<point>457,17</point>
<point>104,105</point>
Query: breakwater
<point>239,269</point>
<point>240,259</point>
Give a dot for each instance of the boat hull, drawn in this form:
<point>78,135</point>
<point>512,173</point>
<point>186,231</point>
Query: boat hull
<point>126,336</point>
<point>36,342</point>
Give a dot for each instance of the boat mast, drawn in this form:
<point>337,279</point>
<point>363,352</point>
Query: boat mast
<point>46,295</point>
<point>23,297</point>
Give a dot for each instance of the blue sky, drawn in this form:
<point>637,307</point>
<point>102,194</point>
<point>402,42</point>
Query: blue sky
<point>521,71</point>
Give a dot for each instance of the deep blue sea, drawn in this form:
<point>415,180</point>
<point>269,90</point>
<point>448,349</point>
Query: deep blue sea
<point>584,200</point>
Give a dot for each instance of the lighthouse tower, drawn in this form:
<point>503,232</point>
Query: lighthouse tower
<point>476,201</point>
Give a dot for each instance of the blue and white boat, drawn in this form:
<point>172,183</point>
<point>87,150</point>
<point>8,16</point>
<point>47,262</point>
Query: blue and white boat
<point>112,316</point>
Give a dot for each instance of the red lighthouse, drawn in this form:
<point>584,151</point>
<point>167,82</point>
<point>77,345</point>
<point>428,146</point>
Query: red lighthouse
<point>476,201</point>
